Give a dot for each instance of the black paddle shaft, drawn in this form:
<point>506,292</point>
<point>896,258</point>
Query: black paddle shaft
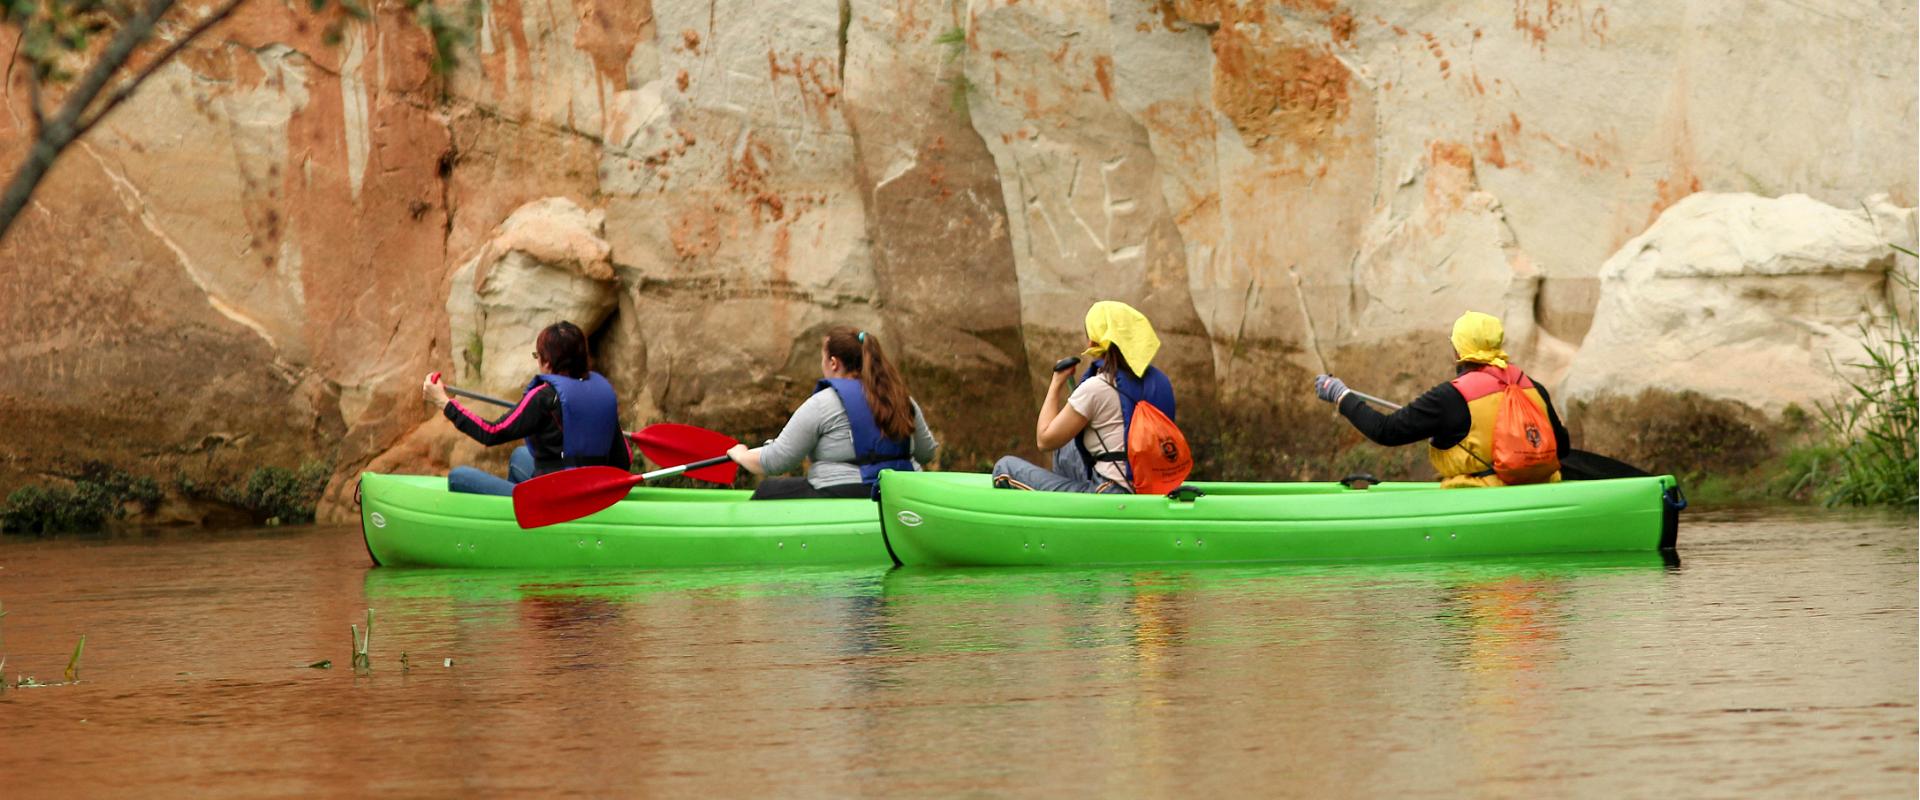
<point>476,396</point>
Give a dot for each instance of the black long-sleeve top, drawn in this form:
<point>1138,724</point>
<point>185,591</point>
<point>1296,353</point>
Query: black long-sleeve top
<point>1440,415</point>
<point>537,417</point>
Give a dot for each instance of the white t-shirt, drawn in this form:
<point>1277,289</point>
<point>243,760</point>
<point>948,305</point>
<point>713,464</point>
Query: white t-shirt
<point>1106,432</point>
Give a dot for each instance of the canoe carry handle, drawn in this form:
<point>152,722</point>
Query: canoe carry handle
<point>1185,494</point>
<point>1676,499</point>
<point>1359,480</point>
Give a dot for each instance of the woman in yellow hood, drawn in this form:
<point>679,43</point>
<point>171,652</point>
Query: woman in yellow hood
<point>1088,435</point>
<point>1457,417</point>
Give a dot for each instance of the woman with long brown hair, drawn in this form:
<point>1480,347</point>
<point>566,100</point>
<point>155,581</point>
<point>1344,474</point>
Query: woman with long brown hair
<point>859,421</point>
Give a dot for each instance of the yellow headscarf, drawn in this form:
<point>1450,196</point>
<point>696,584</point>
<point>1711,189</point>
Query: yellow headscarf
<point>1478,338</point>
<point>1111,322</point>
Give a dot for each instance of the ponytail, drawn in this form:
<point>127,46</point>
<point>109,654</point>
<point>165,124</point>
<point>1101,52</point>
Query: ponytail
<point>1112,363</point>
<point>886,392</point>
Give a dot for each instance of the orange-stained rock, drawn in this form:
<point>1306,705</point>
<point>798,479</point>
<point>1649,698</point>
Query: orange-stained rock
<point>257,259</point>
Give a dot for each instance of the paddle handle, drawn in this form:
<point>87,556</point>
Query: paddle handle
<point>661,473</point>
<point>1371,398</point>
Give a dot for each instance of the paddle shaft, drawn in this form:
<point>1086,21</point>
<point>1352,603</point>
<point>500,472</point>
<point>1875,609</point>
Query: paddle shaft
<point>661,473</point>
<point>477,396</point>
<point>1371,398</point>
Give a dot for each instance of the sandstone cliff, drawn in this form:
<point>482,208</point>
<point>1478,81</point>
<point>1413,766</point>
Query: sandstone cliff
<point>258,257</point>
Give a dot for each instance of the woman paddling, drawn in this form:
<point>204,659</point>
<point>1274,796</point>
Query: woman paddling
<point>859,421</point>
<point>568,416</point>
<point>1459,417</point>
<point>1098,415</point>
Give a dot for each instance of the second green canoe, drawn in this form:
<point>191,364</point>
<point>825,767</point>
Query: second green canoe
<point>412,520</point>
<point>959,519</point>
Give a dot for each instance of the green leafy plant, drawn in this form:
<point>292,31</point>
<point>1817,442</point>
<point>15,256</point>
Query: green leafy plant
<point>277,496</point>
<point>99,493</point>
<point>955,40</point>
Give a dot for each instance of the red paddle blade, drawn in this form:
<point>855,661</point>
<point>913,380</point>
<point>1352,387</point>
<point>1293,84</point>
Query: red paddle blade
<point>671,444</point>
<point>569,494</point>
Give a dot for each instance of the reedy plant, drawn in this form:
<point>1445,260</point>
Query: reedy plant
<point>1874,423</point>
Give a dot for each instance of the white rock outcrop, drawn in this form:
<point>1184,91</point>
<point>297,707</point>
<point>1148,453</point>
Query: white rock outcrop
<point>1743,298</point>
<point>547,262</point>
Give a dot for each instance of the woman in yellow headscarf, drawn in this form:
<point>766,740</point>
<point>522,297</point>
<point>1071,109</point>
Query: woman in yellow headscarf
<point>1088,436</point>
<point>1457,416</point>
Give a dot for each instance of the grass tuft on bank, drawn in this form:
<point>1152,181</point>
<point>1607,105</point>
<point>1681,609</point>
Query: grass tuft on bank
<point>1873,455</point>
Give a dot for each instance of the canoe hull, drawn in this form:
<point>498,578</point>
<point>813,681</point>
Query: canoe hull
<point>411,520</point>
<point>949,519</point>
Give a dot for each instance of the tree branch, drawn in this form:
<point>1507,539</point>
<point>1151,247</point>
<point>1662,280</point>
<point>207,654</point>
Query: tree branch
<point>58,132</point>
<point>137,29</point>
<point>129,86</point>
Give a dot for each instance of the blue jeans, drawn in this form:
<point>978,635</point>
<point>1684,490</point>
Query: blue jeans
<point>471,480</point>
<point>1069,474</point>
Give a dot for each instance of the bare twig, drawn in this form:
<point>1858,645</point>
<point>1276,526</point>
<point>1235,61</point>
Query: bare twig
<point>129,86</point>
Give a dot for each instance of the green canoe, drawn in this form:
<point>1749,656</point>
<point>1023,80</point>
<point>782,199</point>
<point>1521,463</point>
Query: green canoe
<point>959,519</point>
<point>412,520</point>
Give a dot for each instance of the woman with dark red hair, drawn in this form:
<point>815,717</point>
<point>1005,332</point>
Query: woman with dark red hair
<point>568,417</point>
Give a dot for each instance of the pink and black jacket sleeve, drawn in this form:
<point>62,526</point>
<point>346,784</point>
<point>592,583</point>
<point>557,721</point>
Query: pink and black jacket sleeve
<point>538,412</point>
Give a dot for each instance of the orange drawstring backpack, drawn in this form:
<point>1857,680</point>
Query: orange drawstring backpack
<point>1524,450</point>
<point>1157,452</point>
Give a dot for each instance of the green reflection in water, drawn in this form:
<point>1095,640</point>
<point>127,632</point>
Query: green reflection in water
<point>970,585</point>
<point>1491,604</point>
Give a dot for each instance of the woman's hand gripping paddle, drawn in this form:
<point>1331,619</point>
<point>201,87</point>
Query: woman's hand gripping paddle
<point>574,493</point>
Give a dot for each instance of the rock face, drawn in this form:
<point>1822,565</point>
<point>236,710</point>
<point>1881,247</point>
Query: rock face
<point>545,264</point>
<point>1742,298</point>
<point>258,257</point>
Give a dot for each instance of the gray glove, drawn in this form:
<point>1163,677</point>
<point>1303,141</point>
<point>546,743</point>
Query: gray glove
<point>1329,388</point>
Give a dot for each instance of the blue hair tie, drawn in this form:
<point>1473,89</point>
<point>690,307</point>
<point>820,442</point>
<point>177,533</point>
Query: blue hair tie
<point>863,337</point>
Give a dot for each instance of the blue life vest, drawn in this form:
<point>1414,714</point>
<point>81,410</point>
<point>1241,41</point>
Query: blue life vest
<point>589,418</point>
<point>873,451</point>
<point>1155,388</point>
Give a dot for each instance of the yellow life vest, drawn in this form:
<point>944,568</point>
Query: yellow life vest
<point>1470,463</point>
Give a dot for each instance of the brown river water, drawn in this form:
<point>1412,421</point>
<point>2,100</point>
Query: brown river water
<point>1777,659</point>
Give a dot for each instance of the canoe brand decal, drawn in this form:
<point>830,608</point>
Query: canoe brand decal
<point>908,519</point>
<point>378,521</point>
